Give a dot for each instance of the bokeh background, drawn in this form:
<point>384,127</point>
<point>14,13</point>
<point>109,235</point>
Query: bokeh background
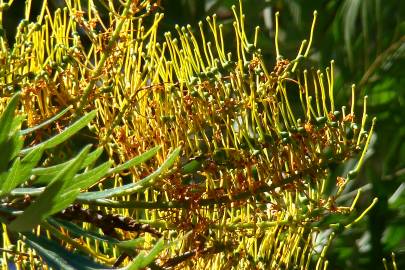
<point>366,39</point>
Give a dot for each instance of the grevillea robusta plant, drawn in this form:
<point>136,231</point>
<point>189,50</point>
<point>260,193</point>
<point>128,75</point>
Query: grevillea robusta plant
<point>242,148</point>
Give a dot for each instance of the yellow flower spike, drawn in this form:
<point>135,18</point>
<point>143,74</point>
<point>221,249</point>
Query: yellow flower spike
<point>195,49</point>
<point>204,44</point>
<point>312,34</point>
<point>316,92</point>
<point>323,95</point>
<point>276,37</point>
<point>284,116</point>
<point>257,29</point>
<point>299,55</point>
<point>353,104</point>
<point>290,114</point>
<point>211,55</point>
<point>361,160</point>
<point>307,97</point>
<point>355,200</point>
<point>219,40</point>
<point>245,110</point>
<point>362,215</point>
<point>331,85</point>
<point>186,48</point>
<point>363,121</point>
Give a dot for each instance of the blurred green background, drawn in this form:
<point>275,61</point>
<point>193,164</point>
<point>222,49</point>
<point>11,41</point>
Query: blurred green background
<point>367,41</point>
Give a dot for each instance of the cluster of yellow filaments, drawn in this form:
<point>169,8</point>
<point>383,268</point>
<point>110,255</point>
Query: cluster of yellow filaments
<point>256,142</point>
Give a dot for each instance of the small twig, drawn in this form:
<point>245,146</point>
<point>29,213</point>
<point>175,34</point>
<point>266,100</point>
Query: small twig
<point>107,222</point>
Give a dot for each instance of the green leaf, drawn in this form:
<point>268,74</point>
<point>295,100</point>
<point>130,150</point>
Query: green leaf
<point>56,196</point>
<point>192,166</point>
<point>6,118</point>
<point>350,13</point>
<point>144,259</point>
<point>133,187</point>
<point>47,173</point>
<point>86,179</point>
<point>137,160</point>
<point>8,177</point>
<point>45,123</point>
<point>65,134</point>
<point>10,144</point>
<point>59,258</point>
<point>393,236</point>
<point>132,244</point>
<point>21,170</point>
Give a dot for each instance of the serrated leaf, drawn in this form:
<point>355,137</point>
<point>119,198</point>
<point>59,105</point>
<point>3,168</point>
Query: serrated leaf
<point>56,196</point>
<point>45,123</point>
<point>65,134</point>
<point>133,187</point>
<point>59,258</point>
<point>21,170</point>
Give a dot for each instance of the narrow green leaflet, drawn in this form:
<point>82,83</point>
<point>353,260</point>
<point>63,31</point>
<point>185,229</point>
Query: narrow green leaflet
<point>9,150</point>
<point>17,121</point>
<point>137,160</point>
<point>9,176</point>
<point>45,123</point>
<point>6,118</point>
<point>132,244</point>
<point>20,171</point>
<point>10,144</point>
<point>65,134</point>
<point>59,258</point>
<point>47,173</point>
<point>192,166</point>
<point>56,197</point>
<point>86,179</point>
<point>133,187</point>
<point>144,259</point>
